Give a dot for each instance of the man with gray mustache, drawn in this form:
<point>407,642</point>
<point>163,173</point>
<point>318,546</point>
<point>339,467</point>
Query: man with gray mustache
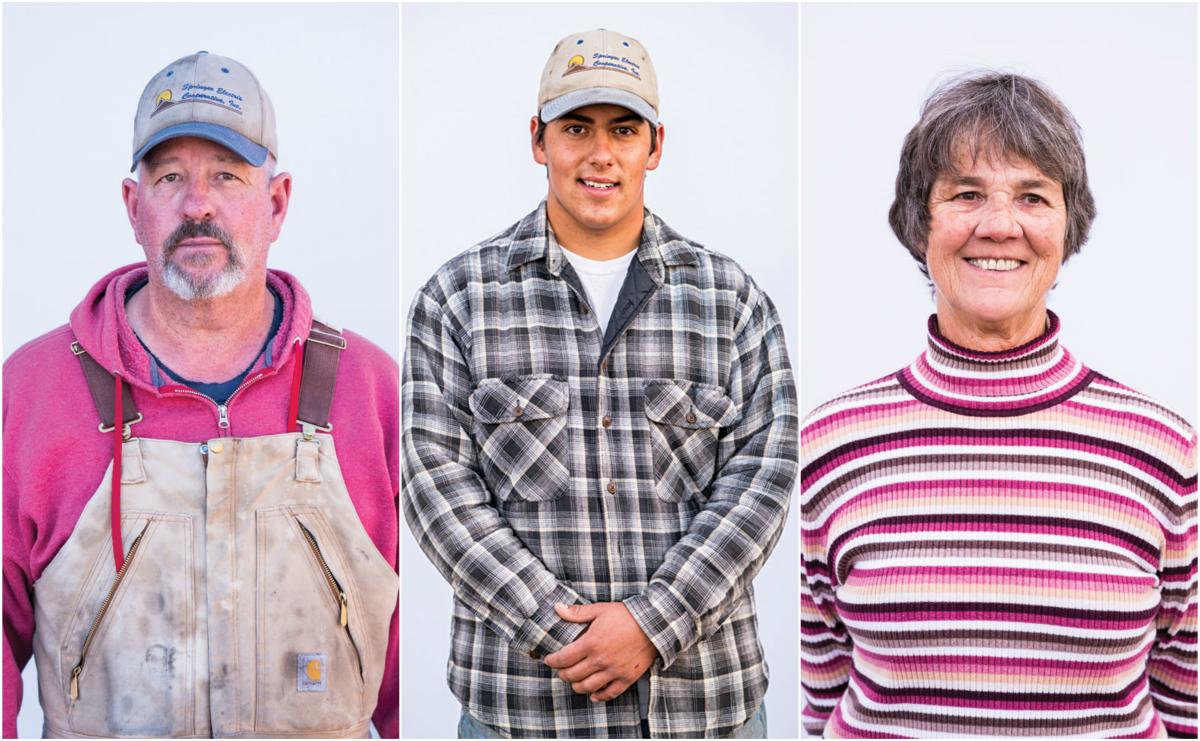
<point>200,476</point>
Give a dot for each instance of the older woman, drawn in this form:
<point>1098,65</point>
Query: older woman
<point>997,539</point>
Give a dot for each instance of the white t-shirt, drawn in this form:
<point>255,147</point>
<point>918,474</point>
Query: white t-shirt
<point>602,280</point>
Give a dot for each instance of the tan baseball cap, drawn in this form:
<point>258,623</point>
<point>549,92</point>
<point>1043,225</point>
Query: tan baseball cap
<point>598,66</point>
<point>209,96</point>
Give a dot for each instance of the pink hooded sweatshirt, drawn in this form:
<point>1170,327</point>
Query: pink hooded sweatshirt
<point>55,457</point>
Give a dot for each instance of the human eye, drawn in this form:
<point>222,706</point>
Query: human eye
<point>970,196</point>
<point>575,130</point>
<point>1033,199</point>
<point>170,177</point>
<point>626,131</point>
<point>227,176</point>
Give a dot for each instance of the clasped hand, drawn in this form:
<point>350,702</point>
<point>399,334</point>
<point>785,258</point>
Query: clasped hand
<point>609,656</point>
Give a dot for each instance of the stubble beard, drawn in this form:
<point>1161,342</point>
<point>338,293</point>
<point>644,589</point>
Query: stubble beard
<point>191,287</point>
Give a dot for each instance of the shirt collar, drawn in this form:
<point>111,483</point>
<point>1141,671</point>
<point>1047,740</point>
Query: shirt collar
<point>661,246</point>
<point>1008,381</point>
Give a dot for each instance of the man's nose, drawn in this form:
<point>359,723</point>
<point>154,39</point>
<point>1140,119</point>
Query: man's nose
<point>197,200</point>
<point>601,153</point>
<point>998,222</point>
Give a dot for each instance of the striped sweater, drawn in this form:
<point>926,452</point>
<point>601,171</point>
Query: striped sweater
<point>998,544</point>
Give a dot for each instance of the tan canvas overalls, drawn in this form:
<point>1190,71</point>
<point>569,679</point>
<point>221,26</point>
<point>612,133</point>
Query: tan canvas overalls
<point>241,596</point>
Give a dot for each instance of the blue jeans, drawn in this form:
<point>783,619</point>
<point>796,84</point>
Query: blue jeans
<point>756,727</point>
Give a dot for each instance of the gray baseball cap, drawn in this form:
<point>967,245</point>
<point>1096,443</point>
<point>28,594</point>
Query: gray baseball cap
<point>599,66</point>
<point>211,97</point>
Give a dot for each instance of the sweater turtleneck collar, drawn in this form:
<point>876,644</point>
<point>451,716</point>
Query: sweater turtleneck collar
<point>1033,376</point>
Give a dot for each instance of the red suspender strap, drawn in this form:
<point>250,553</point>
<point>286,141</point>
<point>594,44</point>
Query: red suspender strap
<point>118,547</point>
<point>322,353</point>
<point>114,401</point>
<point>293,424</point>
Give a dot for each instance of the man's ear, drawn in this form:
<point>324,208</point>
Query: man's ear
<point>280,188</point>
<point>539,151</point>
<point>656,157</point>
<point>129,194</point>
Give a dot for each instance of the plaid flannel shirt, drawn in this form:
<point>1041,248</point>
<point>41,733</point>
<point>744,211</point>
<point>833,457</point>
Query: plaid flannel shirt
<point>545,463</point>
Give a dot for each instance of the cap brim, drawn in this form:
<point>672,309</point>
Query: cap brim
<point>255,154</point>
<point>564,104</point>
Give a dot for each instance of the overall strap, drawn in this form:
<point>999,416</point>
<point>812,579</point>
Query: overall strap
<point>114,401</point>
<point>322,353</point>
<point>103,391</point>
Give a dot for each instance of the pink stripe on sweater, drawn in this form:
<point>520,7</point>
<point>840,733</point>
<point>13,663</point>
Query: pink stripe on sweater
<point>916,695</point>
<point>1087,498</point>
<point>1007,575</point>
<point>1012,666</point>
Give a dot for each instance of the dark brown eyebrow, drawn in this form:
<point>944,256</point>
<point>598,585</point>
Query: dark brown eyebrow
<point>1034,184</point>
<point>969,180</point>
<point>974,182</point>
<point>628,117</point>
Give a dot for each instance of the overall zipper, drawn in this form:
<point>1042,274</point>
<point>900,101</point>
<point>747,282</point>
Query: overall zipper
<point>87,641</point>
<point>336,589</point>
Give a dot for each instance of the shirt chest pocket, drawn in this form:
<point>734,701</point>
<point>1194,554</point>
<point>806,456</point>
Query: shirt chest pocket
<point>523,438</point>
<point>685,421</point>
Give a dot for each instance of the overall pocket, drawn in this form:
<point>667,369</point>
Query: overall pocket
<point>127,657</point>
<point>310,666</point>
<point>685,420</point>
<point>523,438</point>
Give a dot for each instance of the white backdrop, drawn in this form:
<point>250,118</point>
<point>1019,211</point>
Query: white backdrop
<point>728,82</point>
<point>1128,73</point>
<point>72,77</point>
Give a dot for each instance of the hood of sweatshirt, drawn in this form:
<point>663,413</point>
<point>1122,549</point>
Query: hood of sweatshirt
<point>100,325</point>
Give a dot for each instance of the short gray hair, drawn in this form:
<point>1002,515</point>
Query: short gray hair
<point>994,114</point>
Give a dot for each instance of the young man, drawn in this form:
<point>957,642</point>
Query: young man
<point>200,520</point>
<point>599,440</point>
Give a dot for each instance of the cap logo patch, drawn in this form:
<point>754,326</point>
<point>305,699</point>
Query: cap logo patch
<point>601,61</point>
<point>194,93</point>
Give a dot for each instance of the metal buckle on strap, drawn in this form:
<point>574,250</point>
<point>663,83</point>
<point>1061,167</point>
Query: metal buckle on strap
<point>126,433</point>
<point>341,344</point>
<point>75,348</point>
<point>309,429</point>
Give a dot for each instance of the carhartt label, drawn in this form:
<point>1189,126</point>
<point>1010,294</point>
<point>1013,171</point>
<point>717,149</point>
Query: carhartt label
<point>310,673</point>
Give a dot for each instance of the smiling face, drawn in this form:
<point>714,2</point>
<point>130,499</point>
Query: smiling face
<point>995,245</point>
<point>204,216</point>
<point>596,159</point>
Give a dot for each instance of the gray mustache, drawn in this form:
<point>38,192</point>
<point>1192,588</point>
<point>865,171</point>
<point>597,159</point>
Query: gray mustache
<point>190,229</point>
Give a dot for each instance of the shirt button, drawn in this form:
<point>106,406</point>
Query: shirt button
<point>606,422</point>
<point>691,418</point>
<point>612,488</point>
<point>216,447</point>
<point>534,654</point>
<point>584,308</point>
<point>518,410</point>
